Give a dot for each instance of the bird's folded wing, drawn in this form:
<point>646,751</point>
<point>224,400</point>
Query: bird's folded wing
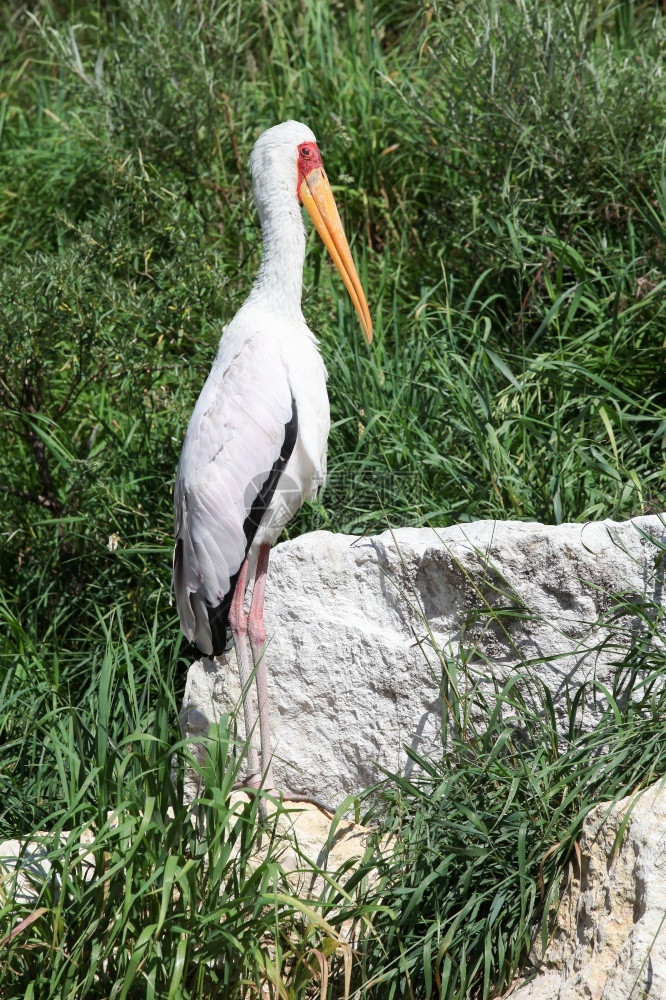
<point>233,441</point>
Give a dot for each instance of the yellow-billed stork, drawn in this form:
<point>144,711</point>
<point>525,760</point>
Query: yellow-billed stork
<point>255,447</point>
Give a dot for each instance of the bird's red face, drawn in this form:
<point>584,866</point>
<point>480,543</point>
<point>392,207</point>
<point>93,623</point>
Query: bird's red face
<point>315,193</point>
<point>309,158</point>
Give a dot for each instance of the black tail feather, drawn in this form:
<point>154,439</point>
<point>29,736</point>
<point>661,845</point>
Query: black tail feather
<point>218,619</point>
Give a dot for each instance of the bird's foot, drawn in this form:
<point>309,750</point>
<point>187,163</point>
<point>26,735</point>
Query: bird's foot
<point>252,783</point>
<point>294,797</point>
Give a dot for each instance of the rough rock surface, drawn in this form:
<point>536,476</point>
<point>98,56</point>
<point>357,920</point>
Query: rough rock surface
<point>306,848</point>
<point>610,938</point>
<point>26,864</point>
<point>302,843</point>
<point>358,628</point>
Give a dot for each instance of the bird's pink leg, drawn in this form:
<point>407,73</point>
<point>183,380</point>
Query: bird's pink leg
<point>239,628</point>
<point>257,632</point>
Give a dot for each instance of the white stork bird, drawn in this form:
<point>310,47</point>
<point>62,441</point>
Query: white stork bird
<point>255,447</point>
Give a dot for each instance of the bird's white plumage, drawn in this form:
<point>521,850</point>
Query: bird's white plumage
<point>267,358</point>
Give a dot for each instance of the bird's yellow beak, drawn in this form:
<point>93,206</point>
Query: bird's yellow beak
<point>315,193</point>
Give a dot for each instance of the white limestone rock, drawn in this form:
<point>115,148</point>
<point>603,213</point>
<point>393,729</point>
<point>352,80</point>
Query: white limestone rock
<point>610,937</point>
<point>25,865</point>
<point>305,848</point>
<point>358,629</point>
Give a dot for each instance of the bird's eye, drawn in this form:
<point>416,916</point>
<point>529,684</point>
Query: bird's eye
<point>305,152</point>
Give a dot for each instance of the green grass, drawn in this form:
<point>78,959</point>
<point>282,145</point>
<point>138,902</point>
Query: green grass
<point>163,904</point>
<point>484,834</point>
<point>500,170</point>
<point>158,903</point>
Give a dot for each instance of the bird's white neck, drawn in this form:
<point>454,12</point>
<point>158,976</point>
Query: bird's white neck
<point>280,278</point>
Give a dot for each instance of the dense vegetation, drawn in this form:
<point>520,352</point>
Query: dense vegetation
<point>500,167</point>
